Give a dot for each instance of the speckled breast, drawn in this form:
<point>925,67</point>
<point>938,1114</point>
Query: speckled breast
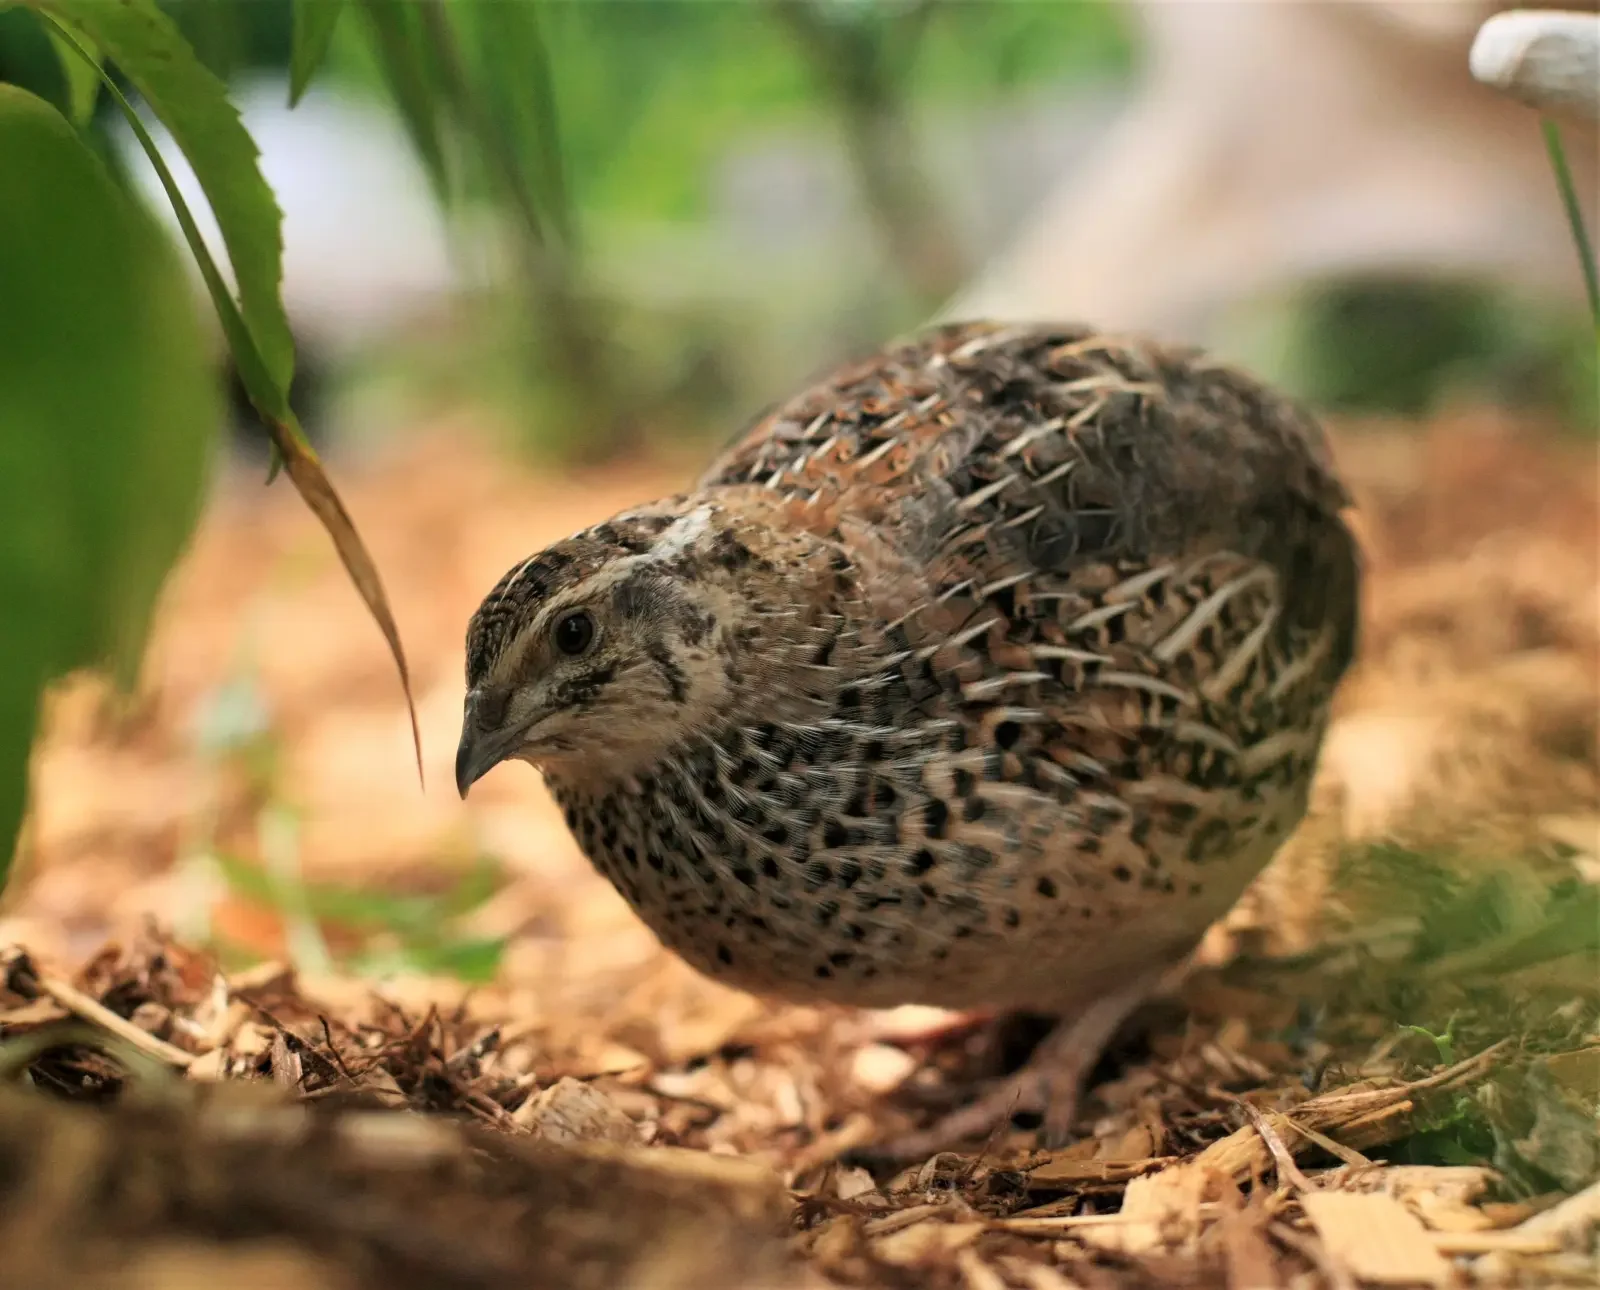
<point>898,880</point>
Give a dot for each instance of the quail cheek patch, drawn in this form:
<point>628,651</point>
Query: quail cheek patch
<point>985,673</point>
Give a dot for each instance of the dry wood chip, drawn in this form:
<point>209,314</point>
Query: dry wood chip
<point>881,1068</point>
<point>251,1040</point>
<point>925,1242</point>
<point>1040,1276</point>
<point>914,1022</point>
<point>689,1166</point>
<point>691,1038</point>
<point>1364,1117</point>
<point>1289,1174</point>
<point>978,1274</point>
<point>1441,1195</point>
<point>74,1000</point>
<point>572,1111</point>
<point>32,1014</point>
<point>836,1240</point>
<point>708,1085</point>
<point>1577,1072</point>
<point>209,1066</point>
<point>1138,1143</point>
<point>1246,1253</point>
<point>850,1183</point>
<point>615,1059</point>
<point>1059,1171</point>
<point>902,1218</point>
<point>855,1132</point>
<point>1574,1218</point>
<point>1376,1237</point>
<point>1495,1243</point>
<point>260,976</point>
<point>1157,1210</point>
<point>379,1085</point>
<point>1580,832</point>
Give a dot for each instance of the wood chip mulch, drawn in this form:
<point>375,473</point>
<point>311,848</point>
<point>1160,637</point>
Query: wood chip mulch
<point>1383,1071</point>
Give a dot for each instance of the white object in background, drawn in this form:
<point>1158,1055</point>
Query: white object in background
<point>366,247</point>
<point>1274,144</point>
<point>1548,59</point>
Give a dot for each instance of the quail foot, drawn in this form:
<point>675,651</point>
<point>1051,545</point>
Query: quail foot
<point>986,673</point>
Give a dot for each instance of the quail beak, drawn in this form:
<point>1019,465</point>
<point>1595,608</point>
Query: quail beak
<point>480,750</point>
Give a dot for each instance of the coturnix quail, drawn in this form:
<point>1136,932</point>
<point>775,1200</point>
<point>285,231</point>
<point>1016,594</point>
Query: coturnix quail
<point>986,673</point>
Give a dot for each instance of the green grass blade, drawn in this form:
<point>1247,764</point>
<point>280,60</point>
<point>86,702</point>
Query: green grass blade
<point>1574,209</point>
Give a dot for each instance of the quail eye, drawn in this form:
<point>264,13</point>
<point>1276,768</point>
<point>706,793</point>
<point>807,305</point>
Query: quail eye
<point>575,633</point>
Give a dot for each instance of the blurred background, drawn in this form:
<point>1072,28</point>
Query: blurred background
<point>540,274</point>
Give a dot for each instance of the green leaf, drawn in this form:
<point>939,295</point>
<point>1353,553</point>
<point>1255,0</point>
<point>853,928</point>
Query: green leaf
<point>314,21</point>
<point>83,79</point>
<point>413,80</point>
<point>193,104</point>
<point>106,428</point>
<point>416,916</point>
<point>475,960</point>
<point>516,114</point>
<point>270,398</point>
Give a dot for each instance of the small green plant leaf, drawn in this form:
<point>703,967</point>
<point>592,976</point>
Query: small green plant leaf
<point>83,79</point>
<point>270,398</point>
<point>314,21</point>
<point>1444,1044</point>
<point>193,104</point>
<point>108,420</point>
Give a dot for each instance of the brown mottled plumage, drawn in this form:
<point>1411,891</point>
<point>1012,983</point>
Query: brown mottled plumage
<point>986,673</point>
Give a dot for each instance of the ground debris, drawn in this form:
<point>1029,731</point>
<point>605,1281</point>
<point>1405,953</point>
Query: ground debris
<point>1384,1069</point>
<point>159,1195</point>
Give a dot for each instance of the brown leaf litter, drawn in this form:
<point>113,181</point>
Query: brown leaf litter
<point>1415,979</point>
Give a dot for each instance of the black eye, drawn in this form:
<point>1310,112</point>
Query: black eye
<point>575,633</point>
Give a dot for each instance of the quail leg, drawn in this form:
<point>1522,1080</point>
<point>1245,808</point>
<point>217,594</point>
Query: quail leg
<point>1050,1082</point>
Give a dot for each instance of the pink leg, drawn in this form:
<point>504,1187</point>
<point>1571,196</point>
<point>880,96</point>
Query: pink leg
<point>1051,1081</point>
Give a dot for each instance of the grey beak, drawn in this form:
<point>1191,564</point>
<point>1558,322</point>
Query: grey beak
<point>480,750</point>
<point>469,767</point>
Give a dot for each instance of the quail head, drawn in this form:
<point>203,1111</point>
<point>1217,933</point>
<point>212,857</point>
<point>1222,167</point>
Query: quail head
<point>985,673</point>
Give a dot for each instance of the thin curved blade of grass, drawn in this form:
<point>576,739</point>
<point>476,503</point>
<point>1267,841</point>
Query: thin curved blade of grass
<point>271,401</point>
<point>1574,209</point>
<point>83,80</point>
<point>314,21</point>
<point>412,77</point>
<point>193,104</point>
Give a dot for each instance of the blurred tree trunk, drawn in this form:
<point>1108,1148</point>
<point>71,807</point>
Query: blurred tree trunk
<point>862,62</point>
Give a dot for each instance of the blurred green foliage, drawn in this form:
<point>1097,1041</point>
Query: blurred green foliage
<point>652,92</point>
<point>583,121</point>
<point>106,426</point>
<point>397,932</point>
<point>1402,346</point>
<point>112,399</point>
